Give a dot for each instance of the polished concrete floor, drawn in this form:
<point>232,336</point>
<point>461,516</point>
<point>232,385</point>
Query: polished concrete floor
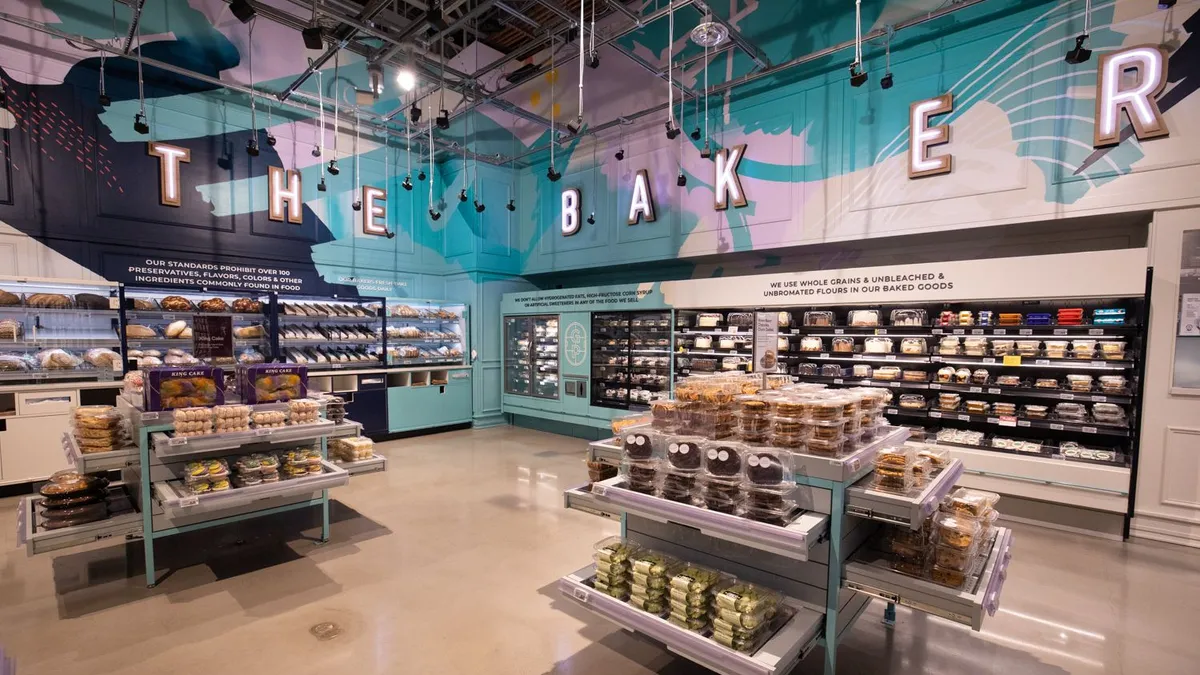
<point>447,563</point>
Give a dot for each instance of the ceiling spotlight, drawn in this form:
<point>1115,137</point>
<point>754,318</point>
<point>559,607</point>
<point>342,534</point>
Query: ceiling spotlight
<point>407,184</point>
<point>357,205</point>
<point>414,113</point>
<point>1166,4</point>
<point>462,195</point>
<point>593,59</point>
<point>512,205</point>
<point>857,77</point>
<point>391,235</point>
<point>591,219</point>
<point>312,36</point>
<point>105,100</point>
<point>672,130</point>
<point>139,124</point>
<point>709,34</point>
<point>406,79</point>
<point>681,180</point>
<point>316,151</point>
<point>706,151</point>
<point>620,154</point>
<point>479,208</point>
<point>434,214</point>
<point>321,186</point>
<point>421,175</point>
<point>695,134</point>
<point>375,76</point>
<point>886,81</point>
<point>252,147</point>
<point>333,168</point>
<point>270,139</point>
<point>243,10</point>
<point>553,175</point>
<point>575,125</point>
<point>1079,53</point>
<point>443,119</point>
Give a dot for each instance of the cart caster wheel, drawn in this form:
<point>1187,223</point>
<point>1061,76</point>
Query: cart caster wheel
<point>151,585</point>
<point>322,542</point>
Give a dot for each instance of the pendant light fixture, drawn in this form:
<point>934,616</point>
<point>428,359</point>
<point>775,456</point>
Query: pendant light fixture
<point>105,99</point>
<point>696,114</point>
<point>387,181</point>
<point>887,80</point>
<point>433,213</point>
<point>407,184</point>
<point>620,153</point>
<point>462,194</point>
<point>474,129</point>
<point>858,76</point>
<point>252,144</point>
<point>708,34</point>
<point>139,120</point>
<point>357,203</point>
<point>672,128</point>
<point>316,151</point>
<point>512,165</point>
<point>1079,54</point>
<point>550,172</point>
<point>333,165</point>
<point>575,126</point>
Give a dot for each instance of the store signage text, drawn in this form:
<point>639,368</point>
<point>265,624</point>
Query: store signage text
<point>641,204</point>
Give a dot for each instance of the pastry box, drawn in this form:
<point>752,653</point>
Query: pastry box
<point>863,317</point>
<point>908,317</point>
<point>818,318</point>
<point>169,388</point>
<point>272,382</point>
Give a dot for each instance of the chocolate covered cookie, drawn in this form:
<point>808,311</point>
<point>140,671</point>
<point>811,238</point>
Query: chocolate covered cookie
<point>764,468</point>
<point>684,454</point>
<point>637,446</point>
<point>722,460</point>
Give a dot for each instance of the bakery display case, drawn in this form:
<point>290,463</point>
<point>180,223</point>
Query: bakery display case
<point>518,349</point>
<point>544,351</point>
<point>58,330</point>
<point>713,340</point>
<point>424,332</point>
<point>631,358</point>
<point>331,333</point>
<point>160,327</point>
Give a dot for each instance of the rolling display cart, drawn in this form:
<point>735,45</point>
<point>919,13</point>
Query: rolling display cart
<point>818,560</point>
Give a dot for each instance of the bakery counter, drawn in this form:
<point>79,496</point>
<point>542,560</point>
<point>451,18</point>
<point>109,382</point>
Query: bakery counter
<point>419,399</point>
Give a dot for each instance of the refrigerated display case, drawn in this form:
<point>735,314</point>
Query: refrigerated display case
<point>62,331</point>
<point>531,356</point>
<point>330,333</point>
<point>631,358</point>
<point>545,357</point>
<point>160,326</point>
<point>716,340</point>
<point>422,332</point>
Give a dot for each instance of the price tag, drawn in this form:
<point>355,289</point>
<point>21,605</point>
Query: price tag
<point>1100,399</point>
<point>1023,423</point>
<point>893,411</point>
<point>976,390</point>
<point>262,432</point>
<point>837,380</point>
<point>1060,331</point>
<point>936,331</point>
<point>993,390</point>
<point>859,356</point>
<point>135,345</point>
<point>336,365</point>
<point>894,384</point>
<point>1095,331</point>
<point>1026,331</point>
<point>177,440</point>
<point>1000,331</point>
<point>1012,360</point>
<point>41,376</point>
<point>168,317</point>
<point>1056,427</point>
<point>935,359</point>
<point>1041,362</point>
<point>964,418</point>
<point>150,416</point>
<point>238,317</point>
<point>580,594</point>
<point>935,386</point>
<point>988,359</point>
<point>1006,423</point>
<point>839,331</point>
<point>976,331</point>
<point>1098,363</point>
<point>1067,397</point>
<point>1088,430</point>
<point>934,413</point>
<point>189,501</point>
<point>960,331</point>
<point>993,420</point>
<point>599,490</point>
<point>890,357</point>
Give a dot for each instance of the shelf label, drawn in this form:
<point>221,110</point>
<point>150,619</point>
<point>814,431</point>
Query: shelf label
<point>935,359</point>
<point>976,331</point>
<point>1025,331</point>
<point>964,418</point>
<point>1095,331</point>
<point>189,501</point>
<point>893,411</point>
<point>1023,423</point>
<point>238,317</point>
<point>1060,331</point>
<point>599,490</point>
<point>1056,427</point>
<point>1067,397</point>
<point>934,413</point>
<point>580,594</point>
<point>936,331</point>
<point>837,380</point>
<point>1088,430</point>
<point>935,386</point>
<point>993,420</point>
<point>135,345</point>
<point>976,390</point>
<point>881,331</point>
<point>993,390</point>
<point>1098,363</point>
<point>1000,331</point>
<point>1100,399</point>
<point>262,432</point>
<point>1012,360</point>
<point>894,384</point>
<point>988,359</point>
<point>960,331</point>
<point>839,331</point>
<point>177,440</point>
<point>168,317</point>
<point>890,357</point>
<point>1041,362</point>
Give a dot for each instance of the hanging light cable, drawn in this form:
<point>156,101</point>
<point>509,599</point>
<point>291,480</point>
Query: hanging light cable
<point>672,128</point>
<point>443,118</point>
<point>316,151</point>
<point>551,173</point>
<point>577,125</point>
<point>139,120</point>
<point>333,166</point>
<point>407,184</point>
<point>105,100</point>
<point>357,203</point>
<point>706,151</point>
<point>433,212</point>
<point>270,136</point>
<point>858,76</point>
<point>462,194</point>
<point>593,58</point>
<point>252,144</point>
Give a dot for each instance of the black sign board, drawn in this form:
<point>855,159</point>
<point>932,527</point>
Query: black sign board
<point>212,336</point>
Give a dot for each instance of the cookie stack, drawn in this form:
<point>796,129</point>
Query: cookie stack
<point>722,484</point>
<point>639,465</point>
<point>743,614</point>
<point>651,572</point>
<point>692,592</point>
<point>613,567</point>
<point>768,481</point>
<point>681,471</point>
<point>894,470</point>
<point>97,428</point>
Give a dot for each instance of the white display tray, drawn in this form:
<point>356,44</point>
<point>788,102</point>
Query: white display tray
<point>909,510</point>
<point>166,445</point>
<point>581,499</point>
<point>375,463</point>
<point>785,649</point>
<point>869,573</point>
<point>124,520</point>
<point>94,462</point>
<point>177,502</point>
<point>793,541</point>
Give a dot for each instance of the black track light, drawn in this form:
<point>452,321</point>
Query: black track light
<point>706,151</point>
<point>414,113</point>
<point>407,184</point>
<point>357,205</point>
<point>312,37</point>
<point>462,195</point>
<point>512,205</point>
<point>479,208</point>
<point>270,139</point>
<point>591,219</point>
<point>695,134</point>
<point>553,175</point>
<point>575,125</point>
<point>435,214</point>
<point>886,81</point>
<point>321,186</point>
<point>421,175</point>
<point>105,100</point>
<point>252,147</point>
<point>443,119</point>
<point>1079,53</point>
<point>243,10</point>
<point>857,77</point>
<point>391,235</point>
<point>620,154</point>
<point>593,59</point>
<point>316,151</point>
<point>139,124</point>
<point>333,168</point>
<point>1166,4</point>
<point>672,130</point>
<point>681,180</point>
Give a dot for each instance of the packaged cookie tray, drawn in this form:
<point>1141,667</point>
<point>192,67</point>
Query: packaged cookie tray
<point>169,443</point>
<point>176,495</point>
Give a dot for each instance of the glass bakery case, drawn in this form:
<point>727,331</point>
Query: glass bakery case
<point>631,358</point>
<point>58,330</point>
<point>184,328</point>
<point>331,332</point>
<point>421,332</point>
<point>531,356</point>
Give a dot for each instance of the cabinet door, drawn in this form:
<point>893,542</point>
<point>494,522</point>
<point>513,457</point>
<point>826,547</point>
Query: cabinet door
<point>33,447</point>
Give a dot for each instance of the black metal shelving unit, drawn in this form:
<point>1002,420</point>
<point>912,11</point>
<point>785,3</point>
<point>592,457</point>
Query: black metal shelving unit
<point>631,358</point>
<point>698,341</point>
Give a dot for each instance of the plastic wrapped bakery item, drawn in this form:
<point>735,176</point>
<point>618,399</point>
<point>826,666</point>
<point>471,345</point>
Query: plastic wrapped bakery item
<point>913,345</point>
<point>968,503</point>
<point>966,318</point>
<point>818,318</point>
<point>975,346</point>
<point>987,318</point>
<point>69,516</point>
<point>1108,413</point>
<point>57,359</point>
<point>913,401</point>
<point>810,343</point>
<point>303,411</point>
<point>892,478</point>
<point>1078,382</point>
<point>268,419</point>
<point>746,598</point>
<point>271,382</point>
<point>1070,412</point>
<point>709,320</point>
<point>948,401</point>
<point>17,363</point>
<point>863,317</point>
<point>247,306</point>
<point>955,529</point>
<point>653,569</point>
<point>612,554</point>
<point>1034,412</point>
<point>1113,384</point>
<point>71,483</point>
<point>640,476</point>
<point>950,345</point>
<point>1056,349</point>
<point>861,370</point>
<point>231,418</point>
<point>193,421</point>
<point>48,301</point>
<point>96,417</point>
<point>765,467</point>
<point>947,318</point>
<point>908,317</point>
<point>103,358</point>
<point>1027,347</point>
<point>977,407</point>
<point>829,369</point>
<point>878,345</point>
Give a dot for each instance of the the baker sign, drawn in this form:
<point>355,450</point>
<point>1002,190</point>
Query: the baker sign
<point>1129,81</point>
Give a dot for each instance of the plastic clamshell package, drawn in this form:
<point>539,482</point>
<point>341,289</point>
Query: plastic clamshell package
<point>638,446</point>
<point>896,456</point>
<point>749,598</point>
<point>652,605</point>
<point>723,460</point>
<point>272,382</point>
<point>968,502</point>
<point>695,580</point>
<point>863,317</point>
<point>818,318</point>
<point>956,531</point>
<point>908,317</point>
<point>878,345</point>
<point>614,550</point>
<point>651,564</point>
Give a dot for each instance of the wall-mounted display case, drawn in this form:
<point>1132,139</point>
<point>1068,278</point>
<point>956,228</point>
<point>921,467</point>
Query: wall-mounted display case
<point>426,332</point>
<point>160,326</point>
<point>531,356</point>
<point>631,358</point>
<point>713,340</point>
<point>324,333</point>
<point>52,330</point>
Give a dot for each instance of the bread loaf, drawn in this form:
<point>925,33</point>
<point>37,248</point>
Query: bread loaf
<point>48,301</point>
<point>247,306</point>
<point>14,362</point>
<point>57,359</point>
<point>91,301</point>
<point>144,305</point>
<point>248,332</point>
<point>176,303</point>
<point>9,299</point>
<point>103,358</point>
<point>186,334</point>
<point>175,329</point>
<point>214,305</point>
<point>135,330</point>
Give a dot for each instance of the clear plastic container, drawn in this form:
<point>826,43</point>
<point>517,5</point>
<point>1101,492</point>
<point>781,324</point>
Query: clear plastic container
<point>852,440</point>
<point>948,577</point>
<point>829,369</point>
<point>648,565</point>
<point>793,407</point>
<point>975,346</point>
<point>825,448</point>
<point>1056,349</point>
<point>683,609</point>
<point>727,343</point>
<point>1108,413</point>
<point>887,373</point>
<point>693,581</point>
<point>702,342</point>
<point>709,320</point>
<point>878,345</point>
<point>764,467</point>
<point>682,453</point>
<point>966,318</point>
<point>913,345</point>
<point>810,343</point>
<point>913,401</point>
<point>1113,384</point>
<point>1076,382</point>
<point>746,621</point>
<point>638,446</point>
<point>619,591</point>
<point>843,345</point>
<point>1003,347</point>
<point>728,500</point>
<point>818,318</point>
<point>1028,347</point>
<point>827,430</point>
<point>785,319</point>
<point>1045,383</point>
<point>893,479</point>
<point>957,531</point>
<point>1071,412</point>
<point>747,598</point>
<point>863,317</point>
<point>740,319</point>
<point>722,460</point>
<point>640,476</point>
<point>1113,350</point>
<point>614,550</point>
<point>687,623</point>
<point>948,402</point>
<point>657,605</point>
<point>898,456</point>
<point>908,317</point>
<point>938,457</point>
<point>970,503</point>
<point>826,409</point>
<point>862,370</point>
<point>950,346</point>
<point>977,407</point>
<point>663,415</point>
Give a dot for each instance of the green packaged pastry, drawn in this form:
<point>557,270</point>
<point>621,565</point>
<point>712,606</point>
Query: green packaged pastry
<point>746,620</point>
<point>688,623</point>
<point>743,597</point>
<point>652,564</point>
<point>615,550</point>
<point>739,644</point>
<point>693,579</point>
<point>688,610</point>
<point>647,592</point>
<point>613,568</point>
<point>653,606</point>
<point>650,581</point>
<point>612,579</point>
<point>619,591</point>
<point>701,599</point>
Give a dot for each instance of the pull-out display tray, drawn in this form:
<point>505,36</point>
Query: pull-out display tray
<point>167,446</point>
<point>95,462</point>
<point>123,520</point>
<point>176,501</point>
<point>909,510</point>
<point>581,499</point>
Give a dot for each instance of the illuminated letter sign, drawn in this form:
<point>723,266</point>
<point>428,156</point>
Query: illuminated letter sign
<point>641,205</point>
<point>285,201</point>
<point>570,211</point>
<point>727,186</point>
<point>169,157</point>
<point>373,211</point>
<point>1149,67</point>
<point>921,137</point>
